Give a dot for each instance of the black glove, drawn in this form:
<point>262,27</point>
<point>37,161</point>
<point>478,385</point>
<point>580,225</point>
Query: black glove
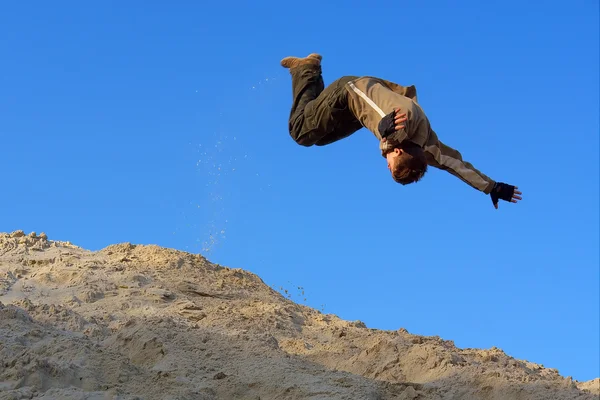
<point>387,126</point>
<point>502,191</point>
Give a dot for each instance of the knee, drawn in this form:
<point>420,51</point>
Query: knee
<point>302,140</point>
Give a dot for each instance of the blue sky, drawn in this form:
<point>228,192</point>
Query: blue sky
<point>166,123</point>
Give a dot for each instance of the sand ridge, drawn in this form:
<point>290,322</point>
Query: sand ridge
<point>145,322</point>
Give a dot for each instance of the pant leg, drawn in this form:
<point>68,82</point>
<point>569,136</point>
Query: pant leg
<point>318,115</point>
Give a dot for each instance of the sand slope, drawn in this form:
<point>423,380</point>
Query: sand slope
<point>144,322</point>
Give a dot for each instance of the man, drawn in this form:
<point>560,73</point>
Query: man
<point>322,115</point>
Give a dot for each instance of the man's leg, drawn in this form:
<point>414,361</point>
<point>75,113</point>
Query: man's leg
<point>318,115</point>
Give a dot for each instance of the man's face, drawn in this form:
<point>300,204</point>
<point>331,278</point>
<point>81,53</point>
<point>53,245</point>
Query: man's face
<point>392,158</point>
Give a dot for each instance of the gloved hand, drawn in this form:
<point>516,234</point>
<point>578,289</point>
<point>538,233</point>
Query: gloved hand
<point>392,123</point>
<point>506,192</point>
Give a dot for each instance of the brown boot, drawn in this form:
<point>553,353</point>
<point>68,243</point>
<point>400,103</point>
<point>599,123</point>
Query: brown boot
<point>293,62</point>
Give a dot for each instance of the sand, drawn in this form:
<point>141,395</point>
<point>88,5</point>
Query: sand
<point>144,322</point>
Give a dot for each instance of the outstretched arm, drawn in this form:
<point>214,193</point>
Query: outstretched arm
<point>444,157</point>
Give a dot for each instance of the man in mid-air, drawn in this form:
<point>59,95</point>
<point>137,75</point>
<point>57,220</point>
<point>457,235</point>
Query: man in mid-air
<point>322,115</point>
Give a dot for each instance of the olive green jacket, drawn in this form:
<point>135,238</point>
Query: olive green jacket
<point>370,99</point>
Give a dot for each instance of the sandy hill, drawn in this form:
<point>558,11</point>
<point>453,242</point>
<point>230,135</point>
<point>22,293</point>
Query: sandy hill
<point>144,322</point>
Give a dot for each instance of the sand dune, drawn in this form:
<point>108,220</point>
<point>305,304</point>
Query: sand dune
<point>144,322</point>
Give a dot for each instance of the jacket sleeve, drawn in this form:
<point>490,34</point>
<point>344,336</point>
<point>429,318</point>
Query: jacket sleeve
<point>442,156</point>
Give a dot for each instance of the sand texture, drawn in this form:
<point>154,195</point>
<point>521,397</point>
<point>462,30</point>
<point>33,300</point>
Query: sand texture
<point>144,322</point>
